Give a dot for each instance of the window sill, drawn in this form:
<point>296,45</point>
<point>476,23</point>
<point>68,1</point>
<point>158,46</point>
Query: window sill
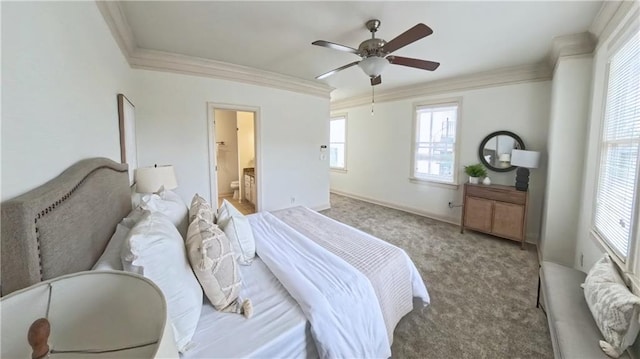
<point>632,279</point>
<point>605,248</point>
<point>338,170</point>
<point>422,181</point>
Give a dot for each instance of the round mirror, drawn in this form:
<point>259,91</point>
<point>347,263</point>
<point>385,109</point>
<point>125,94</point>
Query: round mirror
<point>495,150</point>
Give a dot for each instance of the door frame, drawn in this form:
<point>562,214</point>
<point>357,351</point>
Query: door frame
<point>211,137</point>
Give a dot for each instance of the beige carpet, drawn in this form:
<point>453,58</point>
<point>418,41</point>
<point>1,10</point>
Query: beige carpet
<point>483,289</point>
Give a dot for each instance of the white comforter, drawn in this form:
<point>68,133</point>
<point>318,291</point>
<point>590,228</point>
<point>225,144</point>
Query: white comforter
<point>338,300</point>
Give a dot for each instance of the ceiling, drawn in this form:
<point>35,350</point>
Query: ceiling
<point>468,37</point>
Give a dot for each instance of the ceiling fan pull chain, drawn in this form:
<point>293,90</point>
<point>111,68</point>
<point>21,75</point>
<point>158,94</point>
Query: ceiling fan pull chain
<point>373,99</point>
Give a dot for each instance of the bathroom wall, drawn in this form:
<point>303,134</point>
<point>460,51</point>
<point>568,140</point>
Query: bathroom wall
<point>227,154</point>
<point>246,142</point>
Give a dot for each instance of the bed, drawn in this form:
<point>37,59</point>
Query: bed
<point>63,227</point>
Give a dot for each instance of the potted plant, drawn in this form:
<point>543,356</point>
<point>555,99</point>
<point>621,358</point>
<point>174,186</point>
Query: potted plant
<point>475,172</point>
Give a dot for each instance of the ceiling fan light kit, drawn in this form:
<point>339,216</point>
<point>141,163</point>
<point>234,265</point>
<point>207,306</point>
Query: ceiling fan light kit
<point>374,52</point>
<point>373,66</point>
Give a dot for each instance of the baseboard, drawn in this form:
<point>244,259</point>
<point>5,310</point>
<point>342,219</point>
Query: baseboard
<point>399,207</point>
<point>321,207</point>
<point>225,194</point>
<point>420,213</point>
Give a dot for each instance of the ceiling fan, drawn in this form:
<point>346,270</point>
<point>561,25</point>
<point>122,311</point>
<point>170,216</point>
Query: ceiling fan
<point>374,52</point>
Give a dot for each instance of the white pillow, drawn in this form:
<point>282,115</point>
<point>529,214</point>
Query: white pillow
<point>169,204</point>
<point>157,249</point>
<point>236,226</point>
<point>110,258</point>
<point>133,217</point>
<point>614,308</point>
<point>214,264</point>
<point>226,211</point>
<point>238,230</point>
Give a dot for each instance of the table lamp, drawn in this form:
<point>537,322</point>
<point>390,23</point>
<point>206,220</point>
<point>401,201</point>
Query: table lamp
<point>94,314</point>
<point>150,179</point>
<point>504,159</point>
<point>524,160</point>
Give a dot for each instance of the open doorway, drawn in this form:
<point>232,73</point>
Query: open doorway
<point>233,162</point>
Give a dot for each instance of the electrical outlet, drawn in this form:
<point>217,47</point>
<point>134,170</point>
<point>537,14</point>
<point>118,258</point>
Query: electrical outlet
<point>293,200</point>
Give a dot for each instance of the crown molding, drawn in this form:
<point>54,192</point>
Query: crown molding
<point>117,22</point>
<point>499,77</point>
<point>140,58</point>
<point>610,16</point>
<point>571,45</point>
<point>604,15</point>
<point>189,65</point>
<point>601,25</point>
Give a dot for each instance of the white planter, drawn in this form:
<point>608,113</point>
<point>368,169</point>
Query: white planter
<point>474,180</point>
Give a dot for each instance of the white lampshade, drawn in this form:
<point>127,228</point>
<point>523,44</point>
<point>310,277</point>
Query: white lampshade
<point>150,179</point>
<point>505,157</point>
<point>373,66</point>
<point>91,310</point>
<point>526,159</point>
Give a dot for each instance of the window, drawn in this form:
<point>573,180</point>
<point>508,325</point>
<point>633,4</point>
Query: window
<point>434,150</point>
<point>338,142</point>
<point>615,215</point>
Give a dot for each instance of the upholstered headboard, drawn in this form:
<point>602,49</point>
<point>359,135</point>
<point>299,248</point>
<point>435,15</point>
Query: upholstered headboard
<point>64,225</point>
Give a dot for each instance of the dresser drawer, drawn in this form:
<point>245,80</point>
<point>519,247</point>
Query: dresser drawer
<point>497,193</point>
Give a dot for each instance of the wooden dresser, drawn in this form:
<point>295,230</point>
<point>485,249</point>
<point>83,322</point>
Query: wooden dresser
<point>495,209</point>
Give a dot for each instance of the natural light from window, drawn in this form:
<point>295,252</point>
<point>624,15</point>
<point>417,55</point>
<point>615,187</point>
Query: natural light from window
<point>435,142</point>
<point>614,219</point>
<point>337,142</point>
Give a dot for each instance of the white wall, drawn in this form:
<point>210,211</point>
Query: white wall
<point>171,111</point>
<point>379,148</point>
<point>61,72</point>
<point>570,97</point>
<point>246,145</point>
<point>227,154</point>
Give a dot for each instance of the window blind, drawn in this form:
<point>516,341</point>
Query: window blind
<point>614,218</point>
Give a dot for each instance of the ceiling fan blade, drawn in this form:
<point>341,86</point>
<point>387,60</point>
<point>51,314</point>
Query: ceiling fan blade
<point>334,46</point>
<point>413,34</point>
<point>327,74</point>
<point>417,63</point>
<point>376,80</point>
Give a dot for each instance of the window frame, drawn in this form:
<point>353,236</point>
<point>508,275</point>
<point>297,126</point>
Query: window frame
<point>333,117</point>
<point>630,265</point>
<point>457,101</point>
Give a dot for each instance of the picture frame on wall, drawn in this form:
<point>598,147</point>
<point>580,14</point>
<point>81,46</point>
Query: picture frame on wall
<point>128,146</point>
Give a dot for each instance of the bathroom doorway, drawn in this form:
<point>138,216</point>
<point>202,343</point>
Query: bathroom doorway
<point>233,161</point>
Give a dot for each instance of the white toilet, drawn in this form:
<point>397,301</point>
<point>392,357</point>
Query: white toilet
<point>234,186</point>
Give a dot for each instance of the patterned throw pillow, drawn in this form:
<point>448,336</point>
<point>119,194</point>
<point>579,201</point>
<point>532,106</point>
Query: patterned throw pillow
<point>613,306</point>
<point>199,204</point>
<point>213,262</point>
